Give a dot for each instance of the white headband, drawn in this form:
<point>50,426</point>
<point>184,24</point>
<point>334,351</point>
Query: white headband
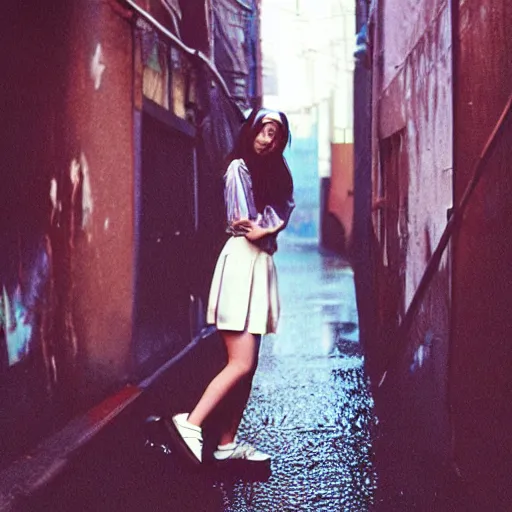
<point>272,117</point>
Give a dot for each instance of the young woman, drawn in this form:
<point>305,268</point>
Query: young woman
<point>244,302</point>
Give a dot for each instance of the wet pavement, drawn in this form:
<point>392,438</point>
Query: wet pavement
<point>310,404</point>
<point>310,408</point>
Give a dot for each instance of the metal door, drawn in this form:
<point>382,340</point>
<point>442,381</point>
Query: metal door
<point>394,232</point>
<point>166,227</point>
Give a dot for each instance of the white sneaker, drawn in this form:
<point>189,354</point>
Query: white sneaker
<point>190,435</point>
<point>239,451</point>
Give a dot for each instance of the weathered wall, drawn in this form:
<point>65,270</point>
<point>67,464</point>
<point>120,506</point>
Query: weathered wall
<point>412,192</point>
<point>30,314</point>
<point>99,135</point>
<point>480,390</point>
<point>66,224</point>
<point>77,148</point>
<point>412,162</point>
<point>401,33</point>
<point>419,101</point>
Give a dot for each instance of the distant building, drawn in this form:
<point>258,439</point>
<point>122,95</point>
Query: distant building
<point>307,54</point>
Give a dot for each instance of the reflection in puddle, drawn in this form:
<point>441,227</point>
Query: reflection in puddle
<point>341,338</point>
<point>310,406</point>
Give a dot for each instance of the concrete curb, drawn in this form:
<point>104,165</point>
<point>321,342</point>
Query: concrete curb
<point>47,460</point>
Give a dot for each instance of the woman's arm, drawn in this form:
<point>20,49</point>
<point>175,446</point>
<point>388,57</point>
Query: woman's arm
<point>271,218</point>
<point>238,197</point>
<point>268,223</point>
<point>252,230</point>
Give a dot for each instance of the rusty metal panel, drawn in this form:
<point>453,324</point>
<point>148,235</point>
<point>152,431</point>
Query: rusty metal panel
<point>482,323</point>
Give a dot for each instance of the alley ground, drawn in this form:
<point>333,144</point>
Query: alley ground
<point>310,408</point>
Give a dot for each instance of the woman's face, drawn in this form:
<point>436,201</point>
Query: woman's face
<point>266,140</point>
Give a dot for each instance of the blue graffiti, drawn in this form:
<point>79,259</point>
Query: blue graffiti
<point>17,328</point>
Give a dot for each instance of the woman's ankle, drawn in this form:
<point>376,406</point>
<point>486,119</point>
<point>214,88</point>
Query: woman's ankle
<point>227,440</point>
<point>193,421</point>
<point>226,446</point>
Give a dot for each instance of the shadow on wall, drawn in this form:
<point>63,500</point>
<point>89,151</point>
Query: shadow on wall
<point>332,232</point>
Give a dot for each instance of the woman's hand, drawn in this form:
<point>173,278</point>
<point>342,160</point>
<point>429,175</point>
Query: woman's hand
<point>253,231</point>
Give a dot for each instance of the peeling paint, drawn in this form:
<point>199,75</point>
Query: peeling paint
<point>56,204</point>
<point>74,173</point>
<point>87,202</point>
<point>423,352</point>
<point>53,192</point>
<point>428,113</point>
<point>79,171</point>
<point>97,66</point>
<point>419,357</point>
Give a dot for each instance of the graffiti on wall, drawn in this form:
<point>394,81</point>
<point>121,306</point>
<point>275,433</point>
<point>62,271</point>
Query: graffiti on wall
<point>15,327</point>
<point>22,301</point>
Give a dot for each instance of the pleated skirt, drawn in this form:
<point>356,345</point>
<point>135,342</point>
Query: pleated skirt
<point>244,292</point>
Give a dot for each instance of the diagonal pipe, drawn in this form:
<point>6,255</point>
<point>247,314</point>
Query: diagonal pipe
<point>179,43</point>
<point>451,226</point>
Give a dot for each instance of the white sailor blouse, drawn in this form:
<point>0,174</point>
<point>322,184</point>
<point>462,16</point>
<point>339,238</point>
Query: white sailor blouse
<point>239,199</point>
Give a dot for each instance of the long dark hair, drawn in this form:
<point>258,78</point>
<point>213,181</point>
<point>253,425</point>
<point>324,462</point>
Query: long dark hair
<point>271,178</point>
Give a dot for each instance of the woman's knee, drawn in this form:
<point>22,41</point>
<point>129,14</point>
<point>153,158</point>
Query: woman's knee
<point>243,350</point>
<point>245,370</point>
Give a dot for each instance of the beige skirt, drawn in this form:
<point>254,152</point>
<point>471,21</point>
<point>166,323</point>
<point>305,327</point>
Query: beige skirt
<point>244,294</point>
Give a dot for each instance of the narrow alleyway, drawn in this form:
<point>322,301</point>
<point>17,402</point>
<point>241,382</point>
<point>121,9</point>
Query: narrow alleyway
<point>310,408</point>
<point>310,405</point>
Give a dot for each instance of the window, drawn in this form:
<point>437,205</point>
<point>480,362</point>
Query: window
<point>167,72</point>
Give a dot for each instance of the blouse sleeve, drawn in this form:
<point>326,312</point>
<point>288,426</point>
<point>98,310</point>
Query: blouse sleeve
<point>238,195</point>
<point>271,219</point>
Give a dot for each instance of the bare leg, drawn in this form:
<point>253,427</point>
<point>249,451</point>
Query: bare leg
<point>237,401</point>
<point>242,349</point>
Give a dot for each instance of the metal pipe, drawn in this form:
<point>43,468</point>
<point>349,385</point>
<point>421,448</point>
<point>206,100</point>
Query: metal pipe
<point>178,42</point>
<point>451,226</point>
